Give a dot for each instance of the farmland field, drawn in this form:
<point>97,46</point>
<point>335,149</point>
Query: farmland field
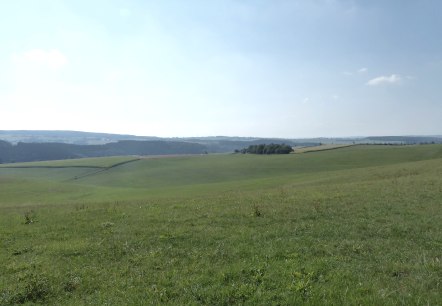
<point>322,147</point>
<point>356,225</point>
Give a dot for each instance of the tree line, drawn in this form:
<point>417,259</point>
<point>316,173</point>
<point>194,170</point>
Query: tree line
<point>267,149</point>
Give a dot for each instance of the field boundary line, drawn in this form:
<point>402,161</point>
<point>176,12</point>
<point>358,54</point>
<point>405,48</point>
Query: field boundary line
<point>103,169</point>
<point>51,167</point>
<point>327,149</point>
<point>98,169</point>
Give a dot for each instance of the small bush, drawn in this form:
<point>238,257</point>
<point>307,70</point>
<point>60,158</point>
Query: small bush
<point>36,289</point>
<point>21,251</point>
<point>72,284</point>
<point>107,224</point>
<point>29,217</point>
<point>81,207</point>
<point>257,211</point>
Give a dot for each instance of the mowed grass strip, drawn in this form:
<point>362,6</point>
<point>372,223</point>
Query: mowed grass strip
<point>369,232</point>
<point>321,148</point>
<point>94,162</point>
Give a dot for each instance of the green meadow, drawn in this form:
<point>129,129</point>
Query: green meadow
<point>358,225</point>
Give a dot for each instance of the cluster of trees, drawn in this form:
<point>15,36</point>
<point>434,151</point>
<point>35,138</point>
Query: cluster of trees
<point>267,149</point>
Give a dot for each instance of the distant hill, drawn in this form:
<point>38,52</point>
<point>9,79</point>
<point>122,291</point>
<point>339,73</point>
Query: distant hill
<point>407,139</point>
<point>72,137</point>
<point>23,152</point>
<point>88,138</point>
<point>20,146</point>
<point>211,144</point>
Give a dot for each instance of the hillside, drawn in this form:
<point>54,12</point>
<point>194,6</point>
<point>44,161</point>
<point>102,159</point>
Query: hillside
<point>87,138</point>
<point>70,137</point>
<point>215,144</point>
<point>41,151</point>
<point>355,225</point>
<point>218,171</point>
<point>23,152</point>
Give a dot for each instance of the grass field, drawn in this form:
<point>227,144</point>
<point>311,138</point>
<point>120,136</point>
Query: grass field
<point>358,225</point>
<point>97,162</point>
<point>322,147</point>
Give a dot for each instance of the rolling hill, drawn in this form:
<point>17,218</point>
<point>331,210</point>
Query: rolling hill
<point>355,225</point>
<point>20,146</point>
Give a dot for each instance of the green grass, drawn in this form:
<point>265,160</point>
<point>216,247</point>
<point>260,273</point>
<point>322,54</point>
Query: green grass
<point>322,147</point>
<point>94,162</point>
<point>358,225</point>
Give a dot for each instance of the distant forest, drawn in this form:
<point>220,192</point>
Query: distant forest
<point>23,152</point>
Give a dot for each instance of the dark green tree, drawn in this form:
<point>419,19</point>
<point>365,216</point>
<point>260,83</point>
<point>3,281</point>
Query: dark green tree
<point>268,149</point>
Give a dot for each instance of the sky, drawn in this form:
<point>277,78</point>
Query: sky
<point>176,68</point>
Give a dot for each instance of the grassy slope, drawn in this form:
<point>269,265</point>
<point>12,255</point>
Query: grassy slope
<point>349,226</point>
<point>209,173</point>
<point>322,147</point>
<point>94,162</point>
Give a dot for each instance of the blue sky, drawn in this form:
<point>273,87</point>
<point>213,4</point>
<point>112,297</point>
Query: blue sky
<point>222,67</point>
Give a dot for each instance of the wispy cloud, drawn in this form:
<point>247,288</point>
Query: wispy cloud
<point>53,58</point>
<point>359,71</point>
<point>385,80</point>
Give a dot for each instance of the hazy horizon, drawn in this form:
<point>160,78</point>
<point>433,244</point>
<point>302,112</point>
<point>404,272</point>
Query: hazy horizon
<point>232,136</point>
<point>285,69</point>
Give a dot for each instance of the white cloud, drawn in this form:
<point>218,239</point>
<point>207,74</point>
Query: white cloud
<point>360,71</point>
<point>53,59</point>
<point>385,80</point>
<point>306,100</point>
